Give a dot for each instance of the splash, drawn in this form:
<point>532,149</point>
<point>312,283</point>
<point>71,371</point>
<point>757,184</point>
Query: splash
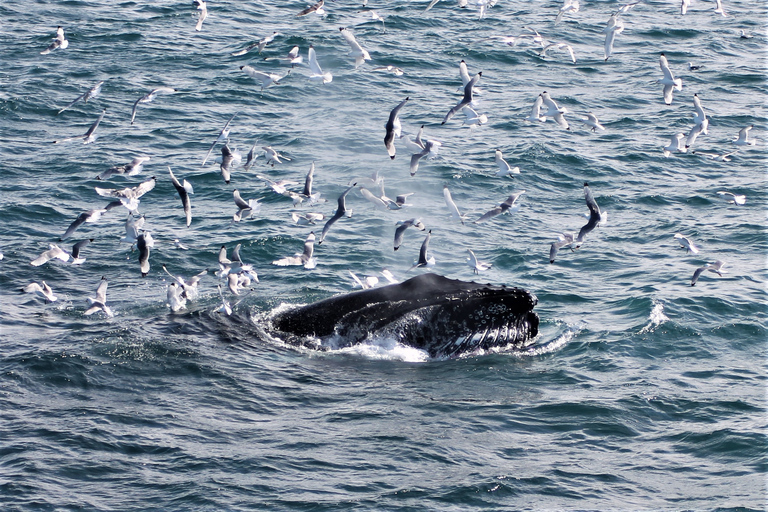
<point>657,317</point>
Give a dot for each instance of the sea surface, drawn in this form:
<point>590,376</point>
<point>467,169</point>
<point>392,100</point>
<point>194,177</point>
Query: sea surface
<point>640,392</point>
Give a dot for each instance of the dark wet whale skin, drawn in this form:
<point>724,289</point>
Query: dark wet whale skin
<point>445,317</point>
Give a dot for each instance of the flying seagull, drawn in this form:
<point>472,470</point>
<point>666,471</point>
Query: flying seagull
<point>87,95</point>
<point>149,97</point>
<point>90,135</point>
<point>184,189</point>
<point>340,212</point>
<point>393,128</point>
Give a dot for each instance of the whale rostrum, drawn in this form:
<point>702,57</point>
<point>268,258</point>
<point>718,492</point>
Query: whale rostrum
<point>445,317</point>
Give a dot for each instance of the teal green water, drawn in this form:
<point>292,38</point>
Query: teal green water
<point>640,393</point>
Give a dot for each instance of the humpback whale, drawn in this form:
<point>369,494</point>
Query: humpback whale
<point>445,317</point>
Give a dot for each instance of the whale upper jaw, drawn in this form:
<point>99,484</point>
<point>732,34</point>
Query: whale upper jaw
<point>442,316</point>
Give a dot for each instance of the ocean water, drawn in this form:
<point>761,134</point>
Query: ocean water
<point>640,392</point>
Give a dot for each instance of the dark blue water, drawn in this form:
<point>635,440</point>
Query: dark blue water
<point>640,392</point>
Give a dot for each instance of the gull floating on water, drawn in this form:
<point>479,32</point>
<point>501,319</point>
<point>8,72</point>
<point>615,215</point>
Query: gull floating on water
<point>184,190</point>
<point>316,71</point>
<point>42,290</point>
<point>175,297</point>
<point>504,168</point>
<point>358,52</point>
<point>305,258</point>
<point>59,42</point>
<point>87,95</point>
<point>393,128</point>
<point>501,208</point>
<point>57,252</point>
<point>99,303</point>
<point>476,265</point>
<point>732,198</point>
<point>149,97</point>
<point>222,137</point>
<point>89,136</point>
<point>715,267</point>
<point>743,139</point>
<point>686,243</point>
<point>692,67</point>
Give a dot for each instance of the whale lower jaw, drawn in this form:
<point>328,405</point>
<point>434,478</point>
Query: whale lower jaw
<point>444,317</point>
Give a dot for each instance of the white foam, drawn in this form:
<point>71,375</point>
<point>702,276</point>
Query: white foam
<point>657,317</point>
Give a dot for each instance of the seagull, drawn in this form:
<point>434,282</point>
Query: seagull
<point>592,122</point>
<point>87,95</point>
<point>184,191</point>
<point>451,205</point>
<point>239,281</point>
<point>684,6</point>
<point>266,79</point>
<point>90,216</point>
<point>316,71</point>
<point>227,158</point>
<point>175,297</point>
<point>307,218</point>
<point>563,240</point>
<point>293,57</point>
<point>59,42</point>
<point>57,252</point>
<point>367,283</point>
<point>235,265</point>
<point>614,27</point>
<point>716,267</point>
<point>99,303</point>
<point>391,69</point>
<point>466,100</point>
<point>307,192</point>
<point>559,46</point>
<point>131,169</point>
<point>132,227</point>
<point>378,202</point>
<point>250,159</point>
<point>595,216</point>
<point>687,244</point>
<point>279,187</point>
<point>700,121</point>
<point>554,111</point>
<point>358,52</point>
<point>374,16</point>
<point>144,242</point>
<point>504,167</point>
<point>129,197</point>
<point>393,128</point>
<point>244,207</point>
<point>745,35</point>
<point>676,145</point>
<point>203,8</point>
<point>720,157</point>
<point>425,261</point>
<point>42,289</point>
<point>476,265</point>
<point>304,258</point>
<point>430,147</point>
<point>260,45</point>
<point>272,156</point>
<point>177,243</point>
<point>149,97</point>
<point>316,8</point>
<point>225,306</point>
<point>465,78</point>
<point>223,136</point>
<point>569,6</point>
<point>188,286</point>
<point>473,118</point>
<point>669,81</point>
<point>536,111</point>
<point>732,198</point>
<point>402,226</point>
<point>398,203</point>
<point>501,208</point>
<point>692,67</point>
<point>340,212</point>
<point>697,130</point>
<point>89,136</point>
<point>743,139</point>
